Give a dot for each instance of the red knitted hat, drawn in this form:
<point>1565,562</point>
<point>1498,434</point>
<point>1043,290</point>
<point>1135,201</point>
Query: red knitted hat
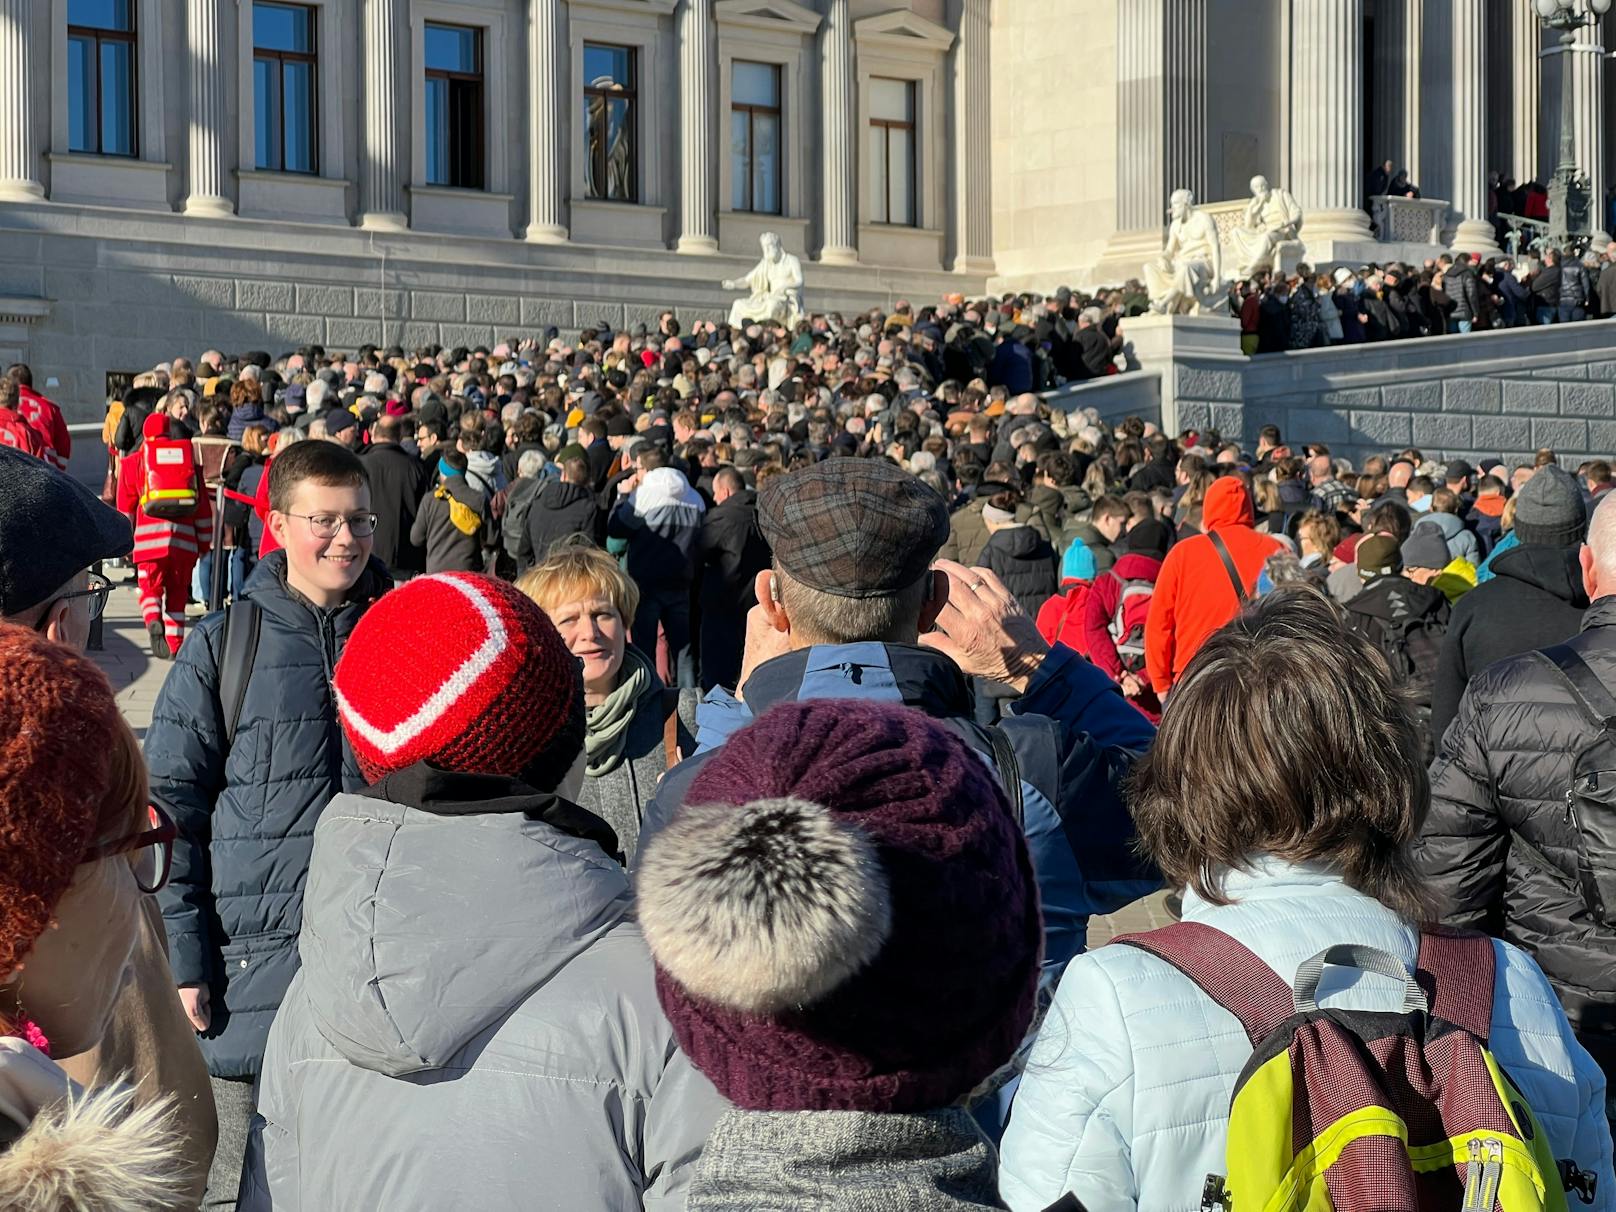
<point>58,730</point>
<point>467,672</point>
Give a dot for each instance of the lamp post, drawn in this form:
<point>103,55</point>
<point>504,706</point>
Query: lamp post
<point>1569,203</point>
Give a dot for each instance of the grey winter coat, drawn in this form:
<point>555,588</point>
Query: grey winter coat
<point>620,795</point>
<point>1461,541</point>
<point>475,1023</point>
<point>845,1161</point>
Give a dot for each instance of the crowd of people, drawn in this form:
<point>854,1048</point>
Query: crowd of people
<point>677,769</point>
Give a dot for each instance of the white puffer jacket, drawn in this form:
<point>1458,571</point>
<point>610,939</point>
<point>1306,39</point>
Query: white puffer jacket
<point>1126,1095</point>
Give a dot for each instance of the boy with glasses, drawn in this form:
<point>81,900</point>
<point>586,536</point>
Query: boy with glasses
<point>245,749</point>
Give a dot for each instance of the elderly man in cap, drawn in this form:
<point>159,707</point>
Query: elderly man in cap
<point>52,529</point>
<point>852,608</point>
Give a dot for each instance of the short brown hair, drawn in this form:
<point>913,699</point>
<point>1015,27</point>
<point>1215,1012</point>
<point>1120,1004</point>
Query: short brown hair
<point>1286,738</point>
<point>323,462</point>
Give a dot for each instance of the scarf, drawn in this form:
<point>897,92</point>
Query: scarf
<point>608,723</point>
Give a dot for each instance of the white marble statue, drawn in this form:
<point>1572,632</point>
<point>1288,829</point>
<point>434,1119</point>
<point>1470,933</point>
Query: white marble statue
<point>1187,279</point>
<point>776,286</point>
<point>1272,218</point>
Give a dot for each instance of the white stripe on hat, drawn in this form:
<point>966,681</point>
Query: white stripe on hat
<point>391,740</point>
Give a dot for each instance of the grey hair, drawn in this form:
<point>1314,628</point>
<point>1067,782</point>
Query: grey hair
<point>830,618</point>
<point>530,464</point>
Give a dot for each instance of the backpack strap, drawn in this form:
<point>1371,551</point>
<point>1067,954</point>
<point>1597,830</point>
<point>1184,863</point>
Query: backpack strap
<point>1227,971</point>
<point>1228,567</point>
<point>239,650</point>
<point>1596,701</point>
<point>1459,968</point>
<point>1009,766</point>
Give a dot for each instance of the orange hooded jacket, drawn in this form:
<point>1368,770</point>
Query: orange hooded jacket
<point>1193,595</point>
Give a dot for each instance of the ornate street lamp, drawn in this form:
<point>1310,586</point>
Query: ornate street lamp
<point>1569,203</point>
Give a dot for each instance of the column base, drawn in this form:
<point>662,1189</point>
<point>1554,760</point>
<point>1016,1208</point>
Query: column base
<point>697,246</point>
<point>210,205</point>
<point>978,266</point>
<point>1476,236</point>
<point>1335,225</point>
<point>838,254</point>
<point>384,220</point>
<point>17,190</point>
<point>546,233</point>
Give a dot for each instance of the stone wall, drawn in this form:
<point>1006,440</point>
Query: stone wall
<point>122,292</point>
<point>1134,394</point>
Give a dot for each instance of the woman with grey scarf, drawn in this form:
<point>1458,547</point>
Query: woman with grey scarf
<point>631,714</point>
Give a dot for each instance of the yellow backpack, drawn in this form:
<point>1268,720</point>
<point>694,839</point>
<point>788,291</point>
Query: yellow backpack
<point>1352,1110</point>
<point>463,516</point>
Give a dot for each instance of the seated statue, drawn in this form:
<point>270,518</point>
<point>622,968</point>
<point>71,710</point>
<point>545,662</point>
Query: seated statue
<point>1187,279</point>
<point>1272,218</point>
<point>776,286</point>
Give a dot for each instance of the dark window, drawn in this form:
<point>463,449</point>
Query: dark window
<point>609,123</point>
<point>754,137</point>
<point>454,106</point>
<point>101,77</point>
<point>892,151</point>
<point>285,94</point>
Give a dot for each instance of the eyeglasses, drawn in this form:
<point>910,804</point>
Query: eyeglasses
<point>99,588</point>
<point>151,850</point>
<point>329,525</point>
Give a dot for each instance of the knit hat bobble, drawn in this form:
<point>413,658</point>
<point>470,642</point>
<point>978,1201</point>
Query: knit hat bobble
<point>58,731</point>
<point>463,671</point>
<point>843,914</point>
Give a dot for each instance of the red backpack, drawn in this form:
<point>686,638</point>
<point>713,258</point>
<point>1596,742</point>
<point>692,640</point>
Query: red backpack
<point>1127,626</point>
<point>16,433</point>
<point>169,483</point>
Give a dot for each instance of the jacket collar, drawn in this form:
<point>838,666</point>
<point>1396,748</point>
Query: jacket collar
<point>1265,877</point>
<point>1601,614</point>
<point>269,591</point>
<point>895,673</point>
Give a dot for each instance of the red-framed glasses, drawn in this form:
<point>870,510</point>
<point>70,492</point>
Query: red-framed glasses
<point>151,850</point>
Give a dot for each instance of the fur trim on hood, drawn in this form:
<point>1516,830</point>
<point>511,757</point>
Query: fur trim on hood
<point>92,1151</point>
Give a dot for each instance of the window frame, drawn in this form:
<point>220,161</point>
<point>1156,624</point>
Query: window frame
<point>887,126</point>
<point>281,58</point>
<point>479,151</point>
<point>630,93</point>
<point>777,111</point>
<point>98,35</point>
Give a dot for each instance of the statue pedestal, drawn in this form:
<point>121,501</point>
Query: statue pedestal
<point>1201,366</point>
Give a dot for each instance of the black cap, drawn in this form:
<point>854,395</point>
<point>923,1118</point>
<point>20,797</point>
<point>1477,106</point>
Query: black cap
<point>339,420</point>
<point>620,426</point>
<point>51,529</point>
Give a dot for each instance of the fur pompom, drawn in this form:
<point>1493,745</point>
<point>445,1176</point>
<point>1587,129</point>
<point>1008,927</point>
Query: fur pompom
<point>769,905</point>
<point>95,1150</point>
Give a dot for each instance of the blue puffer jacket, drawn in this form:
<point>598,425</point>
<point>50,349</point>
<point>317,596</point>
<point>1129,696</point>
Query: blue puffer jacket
<point>1073,733</point>
<point>1125,1099</point>
<point>247,811</point>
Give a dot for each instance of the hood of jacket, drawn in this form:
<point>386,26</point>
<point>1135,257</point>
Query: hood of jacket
<point>1227,504</point>
<point>1136,567</point>
<point>1554,570</point>
<point>484,466</point>
<point>68,1150</point>
<point>1449,524</point>
<point>560,494</point>
<point>437,902</point>
<point>934,1162</point>
<point>1020,542</point>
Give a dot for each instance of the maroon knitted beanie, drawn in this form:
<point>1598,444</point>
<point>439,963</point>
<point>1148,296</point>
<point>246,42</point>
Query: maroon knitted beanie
<point>58,731</point>
<point>843,914</point>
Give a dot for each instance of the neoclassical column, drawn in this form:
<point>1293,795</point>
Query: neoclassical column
<point>839,162</point>
<point>209,115</point>
<point>546,119</point>
<point>1327,166</point>
<point>1526,93</point>
<point>382,154</point>
<point>698,99</point>
<point>19,134</point>
<point>1588,101</point>
<point>1474,234</point>
<point>1142,187</point>
<point>1183,72</point>
<point>1399,43</point>
<point>973,139</point>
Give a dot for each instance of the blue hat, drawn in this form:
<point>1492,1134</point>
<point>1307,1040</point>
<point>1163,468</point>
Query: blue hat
<point>1078,562</point>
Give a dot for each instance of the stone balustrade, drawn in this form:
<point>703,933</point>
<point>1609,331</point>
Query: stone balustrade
<point>1408,220</point>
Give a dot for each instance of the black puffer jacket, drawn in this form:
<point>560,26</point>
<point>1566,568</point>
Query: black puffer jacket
<point>1465,291</point>
<point>1534,599</point>
<point>246,811</point>
<point>1499,847</point>
<point>1026,563</point>
<point>559,509</point>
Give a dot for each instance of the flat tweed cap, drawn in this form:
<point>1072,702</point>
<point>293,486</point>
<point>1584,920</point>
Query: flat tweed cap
<point>856,528</point>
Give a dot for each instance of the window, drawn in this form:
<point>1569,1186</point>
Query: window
<point>892,151</point>
<point>610,122</point>
<point>285,105</point>
<point>754,137</point>
<point>454,106</point>
<point>101,77</point>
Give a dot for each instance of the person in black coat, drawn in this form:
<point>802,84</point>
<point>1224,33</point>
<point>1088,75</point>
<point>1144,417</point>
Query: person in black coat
<point>733,551</point>
<point>1535,597</point>
<point>1021,556</point>
<point>560,508</point>
<point>1501,844</point>
<point>397,481</point>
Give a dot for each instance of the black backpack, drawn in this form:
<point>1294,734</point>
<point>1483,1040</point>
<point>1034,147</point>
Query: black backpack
<point>1591,798</point>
